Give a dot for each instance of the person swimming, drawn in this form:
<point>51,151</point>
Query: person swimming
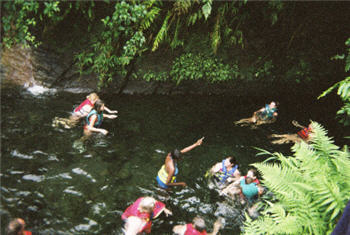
<point>139,215</point>
<point>197,227</point>
<point>225,171</point>
<point>305,134</point>
<point>265,115</point>
<point>167,174</point>
<point>79,112</point>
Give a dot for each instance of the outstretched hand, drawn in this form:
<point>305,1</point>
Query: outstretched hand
<point>167,212</point>
<point>200,141</point>
<point>113,116</point>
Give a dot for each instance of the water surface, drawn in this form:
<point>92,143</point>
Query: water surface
<point>58,189</point>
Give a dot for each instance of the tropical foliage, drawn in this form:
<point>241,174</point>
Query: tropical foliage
<point>246,39</point>
<point>343,89</point>
<point>310,188</point>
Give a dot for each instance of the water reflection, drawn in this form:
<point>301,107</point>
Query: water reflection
<point>60,189</point>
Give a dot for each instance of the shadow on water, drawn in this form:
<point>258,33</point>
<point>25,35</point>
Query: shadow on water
<point>59,189</point>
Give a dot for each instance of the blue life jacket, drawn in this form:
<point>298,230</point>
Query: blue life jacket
<point>99,118</point>
<point>223,174</point>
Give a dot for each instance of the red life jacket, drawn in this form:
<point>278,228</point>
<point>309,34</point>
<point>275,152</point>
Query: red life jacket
<point>190,230</point>
<point>304,133</point>
<point>254,181</point>
<point>27,233</point>
<point>132,210</point>
<point>80,107</point>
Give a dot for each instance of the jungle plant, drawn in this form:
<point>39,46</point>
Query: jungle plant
<point>197,66</point>
<point>311,188</point>
<point>121,40</point>
<point>343,89</point>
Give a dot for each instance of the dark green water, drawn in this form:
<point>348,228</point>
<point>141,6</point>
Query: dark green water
<point>59,190</point>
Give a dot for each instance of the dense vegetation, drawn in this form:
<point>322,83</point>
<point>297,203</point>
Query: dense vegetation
<point>271,41</point>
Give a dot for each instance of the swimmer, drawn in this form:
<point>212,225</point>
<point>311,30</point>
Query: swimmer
<point>250,190</point>
<point>167,174</point>
<point>225,171</point>
<point>233,188</point>
<point>138,216</point>
<point>197,227</point>
<point>265,115</point>
<point>94,119</point>
<point>305,134</point>
<point>79,112</point>
<point>16,227</point>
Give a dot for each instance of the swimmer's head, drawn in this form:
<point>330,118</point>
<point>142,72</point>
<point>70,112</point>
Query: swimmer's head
<point>16,226</point>
<point>99,106</point>
<point>147,204</point>
<point>249,180</point>
<point>230,161</point>
<point>251,173</point>
<point>176,154</point>
<point>93,97</point>
<point>199,224</point>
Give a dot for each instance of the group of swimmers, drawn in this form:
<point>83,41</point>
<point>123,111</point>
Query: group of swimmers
<point>225,174</point>
<point>268,114</point>
<point>92,109</point>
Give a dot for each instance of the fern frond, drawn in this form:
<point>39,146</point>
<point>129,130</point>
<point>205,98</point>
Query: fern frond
<point>162,32</point>
<point>149,18</point>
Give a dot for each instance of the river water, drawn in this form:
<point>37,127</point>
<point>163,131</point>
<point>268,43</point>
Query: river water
<point>59,189</point>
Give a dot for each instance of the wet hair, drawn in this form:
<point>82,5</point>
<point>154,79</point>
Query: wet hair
<point>98,106</point>
<point>176,154</point>
<point>199,224</point>
<point>254,171</point>
<point>249,180</point>
<point>15,226</point>
<point>276,103</point>
<point>232,160</point>
<point>147,204</point>
<point>92,97</point>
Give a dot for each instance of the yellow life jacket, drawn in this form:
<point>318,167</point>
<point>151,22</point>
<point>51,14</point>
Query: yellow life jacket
<point>163,175</point>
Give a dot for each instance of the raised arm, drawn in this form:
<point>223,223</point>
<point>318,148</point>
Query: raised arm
<point>296,124</point>
<point>189,148</point>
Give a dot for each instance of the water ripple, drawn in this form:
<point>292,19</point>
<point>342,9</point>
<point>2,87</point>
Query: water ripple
<point>85,227</point>
<point>82,172</point>
<point>70,190</point>
<point>17,154</point>
<point>36,178</point>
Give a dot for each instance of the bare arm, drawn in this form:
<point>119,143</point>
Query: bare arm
<point>179,229</point>
<point>217,226</point>
<point>189,148</point>
<point>110,111</point>
<point>169,167</point>
<point>110,116</point>
<point>216,168</point>
<point>94,129</point>
<point>133,225</point>
<point>296,124</point>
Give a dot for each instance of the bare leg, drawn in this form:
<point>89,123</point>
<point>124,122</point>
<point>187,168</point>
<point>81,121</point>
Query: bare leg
<point>285,138</point>
<point>244,121</point>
